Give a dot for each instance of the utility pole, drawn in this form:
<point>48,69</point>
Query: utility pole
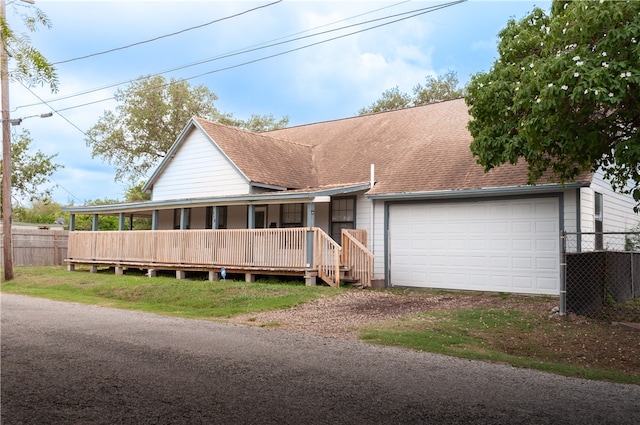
<point>7,243</point>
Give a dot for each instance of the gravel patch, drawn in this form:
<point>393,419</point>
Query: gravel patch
<point>342,315</point>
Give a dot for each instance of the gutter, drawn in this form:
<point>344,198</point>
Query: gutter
<point>314,196</point>
<point>478,193</point>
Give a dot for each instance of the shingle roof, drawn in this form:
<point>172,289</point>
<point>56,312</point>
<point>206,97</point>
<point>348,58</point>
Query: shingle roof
<point>419,149</point>
<point>264,159</point>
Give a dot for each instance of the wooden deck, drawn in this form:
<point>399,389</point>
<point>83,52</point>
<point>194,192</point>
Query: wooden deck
<point>304,251</point>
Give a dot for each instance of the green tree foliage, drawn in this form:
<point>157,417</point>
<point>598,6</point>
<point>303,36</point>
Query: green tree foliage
<point>105,222</point>
<point>390,100</point>
<point>564,94</point>
<point>28,65</point>
<point>149,117</point>
<point>30,170</point>
<point>258,123</point>
<point>40,212</point>
<point>436,89</point>
<point>135,194</point>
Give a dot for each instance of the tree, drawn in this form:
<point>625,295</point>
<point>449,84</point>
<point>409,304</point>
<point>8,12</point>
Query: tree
<point>30,170</point>
<point>391,99</point>
<point>150,115</point>
<point>135,194</point>
<point>31,68</point>
<point>443,87</point>
<point>105,222</point>
<point>258,123</point>
<point>41,212</point>
<point>564,94</point>
<point>436,89</point>
<point>29,65</point>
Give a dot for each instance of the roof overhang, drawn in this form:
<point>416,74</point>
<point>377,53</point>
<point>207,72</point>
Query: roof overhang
<point>480,192</point>
<point>314,195</point>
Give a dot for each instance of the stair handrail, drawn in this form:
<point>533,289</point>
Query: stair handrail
<point>327,254</point>
<point>357,257</point>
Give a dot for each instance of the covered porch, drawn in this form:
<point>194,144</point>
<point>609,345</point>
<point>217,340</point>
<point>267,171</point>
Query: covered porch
<point>272,233</point>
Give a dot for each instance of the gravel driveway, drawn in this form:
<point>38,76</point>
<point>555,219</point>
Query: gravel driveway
<point>66,363</point>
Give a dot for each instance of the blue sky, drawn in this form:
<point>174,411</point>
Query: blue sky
<point>328,81</point>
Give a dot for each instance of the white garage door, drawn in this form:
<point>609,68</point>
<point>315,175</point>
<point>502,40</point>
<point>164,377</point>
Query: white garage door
<point>507,245</point>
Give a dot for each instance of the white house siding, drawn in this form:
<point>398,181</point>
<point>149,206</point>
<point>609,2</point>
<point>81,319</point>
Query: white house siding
<point>587,210</point>
<point>363,215</point>
<point>618,215</point>
<point>378,241</point>
<point>571,210</point>
<point>321,216</point>
<point>198,170</point>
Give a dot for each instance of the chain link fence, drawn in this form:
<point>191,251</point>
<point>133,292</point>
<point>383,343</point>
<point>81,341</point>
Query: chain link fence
<point>601,275</point>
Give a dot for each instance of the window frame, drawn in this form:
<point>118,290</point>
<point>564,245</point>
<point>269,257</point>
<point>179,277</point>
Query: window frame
<point>336,232</point>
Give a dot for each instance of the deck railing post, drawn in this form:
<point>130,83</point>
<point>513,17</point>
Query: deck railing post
<point>310,262</point>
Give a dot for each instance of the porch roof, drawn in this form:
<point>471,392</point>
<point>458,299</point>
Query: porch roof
<point>310,195</point>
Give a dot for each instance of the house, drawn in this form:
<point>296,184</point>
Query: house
<point>425,213</point>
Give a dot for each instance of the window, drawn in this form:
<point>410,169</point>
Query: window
<point>222,218</point>
<point>291,215</point>
<point>177,216</point>
<point>342,216</point>
<point>598,215</point>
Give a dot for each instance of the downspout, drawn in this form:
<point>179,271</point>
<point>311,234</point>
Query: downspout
<point>372,225</point>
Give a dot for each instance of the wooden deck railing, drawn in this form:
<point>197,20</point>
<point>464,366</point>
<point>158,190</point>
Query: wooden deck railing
<point>356,257</point>
<point>273,248</point>
<point>242,249</point>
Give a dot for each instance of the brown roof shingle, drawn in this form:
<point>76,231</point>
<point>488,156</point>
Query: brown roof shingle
<point>419,149</point>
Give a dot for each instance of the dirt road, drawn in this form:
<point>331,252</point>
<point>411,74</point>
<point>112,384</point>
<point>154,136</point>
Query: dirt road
<point>76,364</point>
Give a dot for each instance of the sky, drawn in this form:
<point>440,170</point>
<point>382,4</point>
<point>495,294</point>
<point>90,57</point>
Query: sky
<point>329,80</point>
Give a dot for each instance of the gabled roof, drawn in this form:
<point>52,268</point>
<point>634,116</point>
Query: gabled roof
<point>263,159</point>
<point>415,150</point>
<point>260,159</point>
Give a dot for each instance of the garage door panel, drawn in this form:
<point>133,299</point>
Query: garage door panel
<point>503,245</point>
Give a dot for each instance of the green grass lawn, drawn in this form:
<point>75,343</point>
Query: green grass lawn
<point>194,298</point>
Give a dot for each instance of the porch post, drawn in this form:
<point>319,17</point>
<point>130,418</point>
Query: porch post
<point>311,214</point>
<point>121,221</point>
<point>94,223</point>
<point>154,220</point>
<point>214,217</point>
<point>131,222</point>
<point>251,216</point>
<point>311,222</point>
<point>183,218</point>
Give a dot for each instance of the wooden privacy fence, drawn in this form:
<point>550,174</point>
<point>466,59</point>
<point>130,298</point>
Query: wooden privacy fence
<point>37,247</point>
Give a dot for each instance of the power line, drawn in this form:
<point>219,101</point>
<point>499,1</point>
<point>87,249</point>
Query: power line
<point>54,110</point>
<point>167,35</point>
<point>249,49</point>
<point>412,14</point>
